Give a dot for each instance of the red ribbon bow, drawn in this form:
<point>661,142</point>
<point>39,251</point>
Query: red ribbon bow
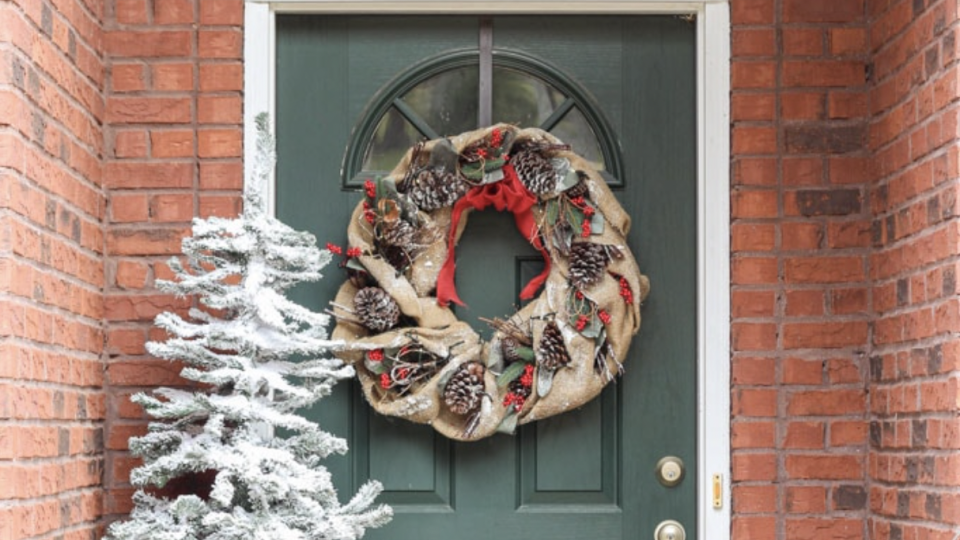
<point>507,194</point>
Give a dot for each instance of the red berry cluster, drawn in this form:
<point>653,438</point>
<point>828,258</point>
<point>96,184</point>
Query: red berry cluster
<point>625,291</point>
<point>375,355</point>
<point>496,138</point>
<point>518,397</point>
<point>370,189</point>
<point>368,213</point>
<point>604,316</point>
<point>585,229</point>
<point>337,250</point>
<point>582,322</point>
<point>385,381</point>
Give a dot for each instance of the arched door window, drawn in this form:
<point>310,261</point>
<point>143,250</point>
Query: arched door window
<point>463,90</point>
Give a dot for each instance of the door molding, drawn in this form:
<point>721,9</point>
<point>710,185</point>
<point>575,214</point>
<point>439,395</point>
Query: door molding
<point>713,183</point>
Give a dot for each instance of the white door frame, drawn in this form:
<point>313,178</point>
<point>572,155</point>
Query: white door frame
<point>713,185</point>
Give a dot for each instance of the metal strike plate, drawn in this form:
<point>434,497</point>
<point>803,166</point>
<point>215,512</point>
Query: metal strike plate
<point>670,471</point>
<point>669,530</point>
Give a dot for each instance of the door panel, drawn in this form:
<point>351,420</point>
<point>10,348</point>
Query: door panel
<point>585,474</point>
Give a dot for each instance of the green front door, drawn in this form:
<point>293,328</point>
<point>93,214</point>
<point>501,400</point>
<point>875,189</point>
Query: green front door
<point>589,474</point>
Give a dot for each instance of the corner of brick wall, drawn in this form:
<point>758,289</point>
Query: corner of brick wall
<point>173,151</point>
<point>914,468</point>
<point>51,269</point>
<point>801,243</point>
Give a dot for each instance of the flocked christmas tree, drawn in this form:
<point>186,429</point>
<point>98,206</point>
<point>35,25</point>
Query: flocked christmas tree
<point>240,424</point>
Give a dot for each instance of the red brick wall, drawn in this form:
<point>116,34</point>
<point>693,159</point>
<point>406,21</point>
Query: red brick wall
<point>914,463</point>
<point>172,151</point>
<point>51,269</point>
<point>801,297</point>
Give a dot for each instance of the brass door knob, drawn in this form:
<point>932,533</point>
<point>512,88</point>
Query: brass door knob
<point>670,530</point>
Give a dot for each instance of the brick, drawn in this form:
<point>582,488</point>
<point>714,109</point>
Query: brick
<point>806,435</point>
<point>823,467</point>
<point>828,139</point>
<point>824,269</point>
<point>173,207</point>
<point>754,140</point>
<point>824,528</point>
<point>754,203</point>
<point>846,105</point>
<point>755,171</point>
<point>754,336</point>
<point>754,467</point>
<point>147,44</point>
<point>752,12</point>
<point>753,435</point>
<point>754,106</point>
<point>145,242</point>
<point>129,208</point>
<point>126,175</point>
<point>822,11</point>
<point>801,236</point>
<point>802,105</point>
<point>802,303</point>
<point>753,237</point>
<point>753,371</point>
<point>826,402</point>
<point>172,144</point>
<point>754,499</point>
<point>848,433</point>
<point>803,41</point>
<point>834,202</point>
<point>127,77</point>
<point>139,110</point>
<point>220,44</point>
<point>221,77</point>
<point>220,205</point>
<point>214,143</point>
<point>824,335</point>
<point>754,271</point>
<point>753,42</point>
<point>130,144</point>
<point>753,74</point>
<point>829,73</point>
<point>132,274</point>
<point>131,11</point>
<point>219,110</point>
<point>755,403</point>
<point>167,12</point>
<point>753,303</point>
<point>221,175</point>
<point>806,499</point>
<point>221,12</point>
<point>173,76</point>
<point>847,41</point>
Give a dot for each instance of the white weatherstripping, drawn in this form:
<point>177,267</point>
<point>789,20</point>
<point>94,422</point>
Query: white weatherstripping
<point>713,183</point>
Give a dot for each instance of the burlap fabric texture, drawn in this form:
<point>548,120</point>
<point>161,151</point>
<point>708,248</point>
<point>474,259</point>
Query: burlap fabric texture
<point>435,329</point>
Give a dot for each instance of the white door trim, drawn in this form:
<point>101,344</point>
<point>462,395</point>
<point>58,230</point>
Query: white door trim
<point>713,171</point>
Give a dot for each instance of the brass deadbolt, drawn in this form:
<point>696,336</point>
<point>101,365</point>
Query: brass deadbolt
<point>670,471</point>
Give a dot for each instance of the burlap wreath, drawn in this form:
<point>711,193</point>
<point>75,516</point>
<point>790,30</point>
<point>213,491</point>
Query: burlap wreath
<point>414,358</point>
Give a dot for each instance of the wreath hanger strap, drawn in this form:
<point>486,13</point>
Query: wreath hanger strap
<point>507,194</point>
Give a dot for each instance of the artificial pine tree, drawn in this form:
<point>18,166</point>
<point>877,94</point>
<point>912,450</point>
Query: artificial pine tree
<point>238,345</point>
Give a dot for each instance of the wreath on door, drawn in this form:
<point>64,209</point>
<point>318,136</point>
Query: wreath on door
<point>414,358</point>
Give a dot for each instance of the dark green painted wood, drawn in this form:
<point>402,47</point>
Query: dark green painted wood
<point>588,474</point>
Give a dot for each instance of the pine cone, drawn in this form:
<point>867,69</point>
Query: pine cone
<point>432,189</point>
<point>398,233</point>
<point>588,261</point>
<point>509,346</point>
<point>535,171</point>
<point>553,353</point>
<point>579,189</point>
<point>464,391</point>
<point>377,310</point>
